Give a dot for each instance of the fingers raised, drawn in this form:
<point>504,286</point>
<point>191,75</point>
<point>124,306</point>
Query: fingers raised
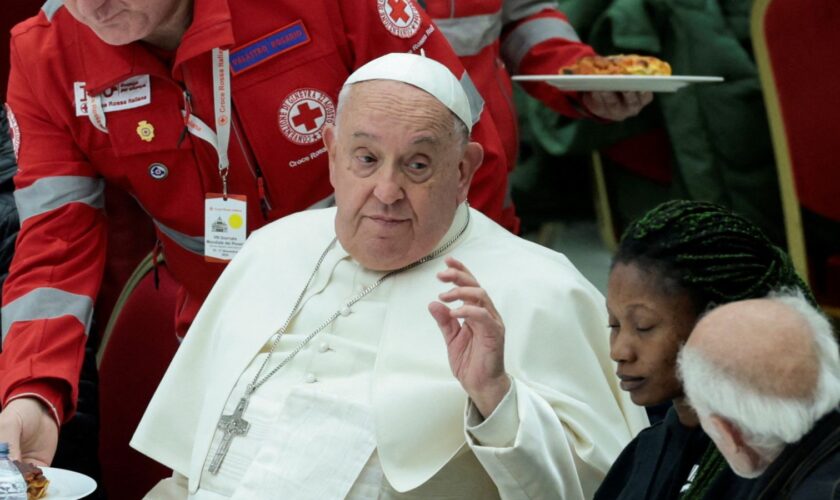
<point>457,274</point>
<point>448,325</point>
<point>478,315</point>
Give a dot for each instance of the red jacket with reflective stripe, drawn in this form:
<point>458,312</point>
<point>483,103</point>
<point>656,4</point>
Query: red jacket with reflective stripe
<point>276,156</point>
<point>528,37</point>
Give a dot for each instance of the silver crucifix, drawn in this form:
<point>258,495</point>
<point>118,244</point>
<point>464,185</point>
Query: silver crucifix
<point>232,425</point>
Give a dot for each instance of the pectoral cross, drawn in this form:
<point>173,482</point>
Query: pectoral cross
<point>232,425</point>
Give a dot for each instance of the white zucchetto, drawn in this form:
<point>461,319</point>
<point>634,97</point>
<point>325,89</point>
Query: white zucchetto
<point>421,72</point>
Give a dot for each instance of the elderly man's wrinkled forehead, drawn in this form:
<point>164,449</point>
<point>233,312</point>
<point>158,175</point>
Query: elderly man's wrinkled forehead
<point>398,99</point>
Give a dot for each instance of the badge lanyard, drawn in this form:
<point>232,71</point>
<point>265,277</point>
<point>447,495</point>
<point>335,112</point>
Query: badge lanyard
<point>96,113</point>
<point>221,103</point>
<point>225,217</point>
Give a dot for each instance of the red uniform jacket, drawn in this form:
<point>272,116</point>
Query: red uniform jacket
<point>289,60</point>
<point>528,37</point>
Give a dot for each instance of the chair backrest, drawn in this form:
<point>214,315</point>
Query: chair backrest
<point>796,45</point>
<point>138,344</point>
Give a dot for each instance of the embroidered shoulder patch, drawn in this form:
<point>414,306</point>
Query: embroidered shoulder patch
<point>268,47</point>
<point>400,17</point>
<point>14,130</point>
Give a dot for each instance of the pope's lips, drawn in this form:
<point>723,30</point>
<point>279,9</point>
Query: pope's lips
<point>629,383</point>
<point>386,221</point>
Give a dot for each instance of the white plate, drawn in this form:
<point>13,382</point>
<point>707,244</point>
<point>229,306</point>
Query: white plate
<point>618,82</point>
<point>67,484</point>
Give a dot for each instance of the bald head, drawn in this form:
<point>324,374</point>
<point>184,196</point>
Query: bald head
<point>760,373</point>
<point>763,344</point>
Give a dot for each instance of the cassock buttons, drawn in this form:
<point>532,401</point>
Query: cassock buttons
<point>323,347</point>
<point>345,311</point>
<point>310,378</point>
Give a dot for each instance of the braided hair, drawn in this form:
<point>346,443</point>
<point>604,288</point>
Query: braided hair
<point>706,250</point>
<point>715,256</point>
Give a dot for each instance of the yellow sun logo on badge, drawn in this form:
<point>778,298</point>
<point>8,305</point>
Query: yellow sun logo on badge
<point>146,131</point>
<point>235,221</point>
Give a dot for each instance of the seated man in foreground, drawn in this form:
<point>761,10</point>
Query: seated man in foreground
<point>317,368</point>
<point>764,378</point>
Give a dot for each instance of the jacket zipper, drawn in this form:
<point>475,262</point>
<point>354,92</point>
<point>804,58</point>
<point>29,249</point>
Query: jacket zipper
<point>256,171</point>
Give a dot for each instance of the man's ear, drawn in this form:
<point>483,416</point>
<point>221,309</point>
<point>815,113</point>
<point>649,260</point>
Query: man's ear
<point>745,460</point>
<point>473,156</point>
<point>730,435</point>
<point>329,138</point>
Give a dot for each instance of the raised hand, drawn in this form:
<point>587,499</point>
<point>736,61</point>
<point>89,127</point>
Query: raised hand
<point>475,337</point>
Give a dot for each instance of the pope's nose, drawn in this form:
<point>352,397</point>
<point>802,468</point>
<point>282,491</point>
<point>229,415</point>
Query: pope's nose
<point>387,189</point>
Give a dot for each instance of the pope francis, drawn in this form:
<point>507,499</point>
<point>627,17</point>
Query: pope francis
<point>326,365</point>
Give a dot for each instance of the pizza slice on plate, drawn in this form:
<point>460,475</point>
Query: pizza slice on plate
<point>622,64</point>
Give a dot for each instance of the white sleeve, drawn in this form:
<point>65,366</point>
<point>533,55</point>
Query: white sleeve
<point>523,447</point>
<point>571,418</point>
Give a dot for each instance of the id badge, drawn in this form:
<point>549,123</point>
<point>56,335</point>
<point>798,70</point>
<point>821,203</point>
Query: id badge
<point>225,226</point>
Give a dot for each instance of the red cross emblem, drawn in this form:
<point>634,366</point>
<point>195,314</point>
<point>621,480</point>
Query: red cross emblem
<point>398,13</point>
<point>400,17</point>
<point>303,114</point>
<point>307,117</point>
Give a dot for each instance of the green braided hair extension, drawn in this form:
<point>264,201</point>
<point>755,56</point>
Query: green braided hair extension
<point>712,253</point>
<point>711,464</point>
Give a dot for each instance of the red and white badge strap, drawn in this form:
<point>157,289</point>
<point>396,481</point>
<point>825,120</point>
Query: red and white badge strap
<point>225,215</point>
<point>96,113</point>
<point>221,103</point>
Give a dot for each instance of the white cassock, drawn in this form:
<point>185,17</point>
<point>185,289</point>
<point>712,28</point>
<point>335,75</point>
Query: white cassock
<point>370,409</point>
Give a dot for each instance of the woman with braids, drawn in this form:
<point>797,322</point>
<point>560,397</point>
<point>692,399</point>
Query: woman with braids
<point>677,261</point>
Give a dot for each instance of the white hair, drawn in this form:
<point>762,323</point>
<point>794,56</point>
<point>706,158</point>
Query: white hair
<point>343,97</point>
<point>767,422</point>
<point>459,128</point>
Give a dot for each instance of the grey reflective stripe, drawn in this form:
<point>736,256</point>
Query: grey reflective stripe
<point>50,7</point>
<point>327,202</point>
<point>468,35</point>
<point>476,102</point>
<point>50,193</point>
<point>514,10</point>
<point>194,244</point>
<point>46,303</point>
<point>520,41</point>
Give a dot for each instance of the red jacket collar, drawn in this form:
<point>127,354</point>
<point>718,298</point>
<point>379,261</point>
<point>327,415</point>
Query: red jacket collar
<point>106,65</point>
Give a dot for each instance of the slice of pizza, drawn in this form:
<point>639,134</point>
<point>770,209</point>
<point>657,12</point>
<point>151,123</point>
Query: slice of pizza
<point>622,64</point>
